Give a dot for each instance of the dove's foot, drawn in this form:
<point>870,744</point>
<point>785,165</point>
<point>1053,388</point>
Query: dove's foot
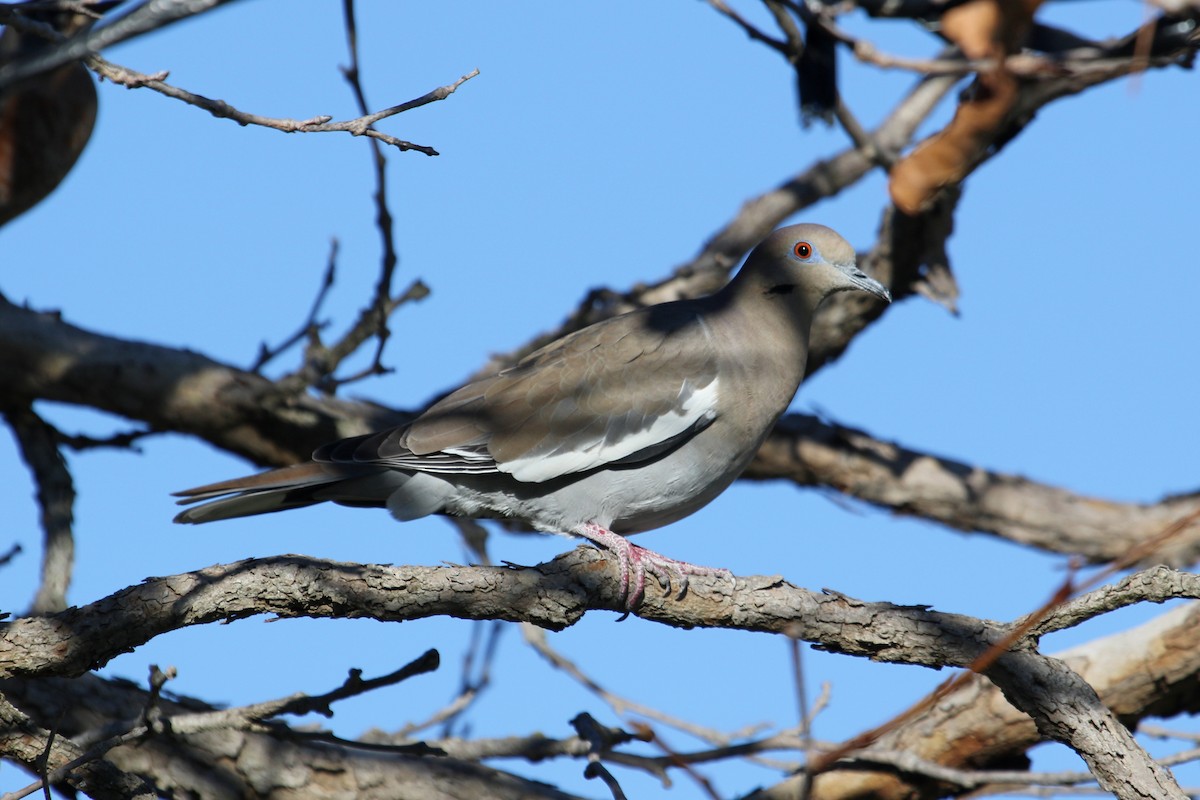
<point>634,562</point>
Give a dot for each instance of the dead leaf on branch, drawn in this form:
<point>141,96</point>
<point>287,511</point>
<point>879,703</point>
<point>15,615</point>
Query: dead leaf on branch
<point>983,30</point>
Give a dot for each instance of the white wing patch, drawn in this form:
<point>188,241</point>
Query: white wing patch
<point>622,437</point>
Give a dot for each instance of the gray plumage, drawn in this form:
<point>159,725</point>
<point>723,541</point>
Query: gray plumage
<point>623,426</point>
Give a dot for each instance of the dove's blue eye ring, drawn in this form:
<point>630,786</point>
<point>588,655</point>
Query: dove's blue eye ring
<point>802,249</point>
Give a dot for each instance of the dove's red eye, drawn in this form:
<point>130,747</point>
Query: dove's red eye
<point>802,249</point>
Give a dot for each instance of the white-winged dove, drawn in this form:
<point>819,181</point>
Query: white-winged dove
<point>623,426</point>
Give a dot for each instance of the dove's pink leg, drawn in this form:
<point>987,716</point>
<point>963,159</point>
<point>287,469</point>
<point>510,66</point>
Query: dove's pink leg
<point>634,562</point>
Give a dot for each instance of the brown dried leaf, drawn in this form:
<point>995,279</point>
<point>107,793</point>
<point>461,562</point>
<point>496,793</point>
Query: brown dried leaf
<point>983,29</point>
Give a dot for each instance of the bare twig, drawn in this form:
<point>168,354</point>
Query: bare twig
<point>360,126</point>
<point>600,739</point>
<point>537,748</point>
<point>7,556</point>
<point>132,79</point>
<point>311,326</point>
<point>469,689</point>
<point>1161,732</point>
<point>38,443</point>
<point>124,440</point>
<point>536,638</point>
<point>595,769</point>
<point>753,32</point>
<point>354,686</point>
<point>321,361</point>
<point>485,639</point>
<point>675,759</point>
<point>965,778</point>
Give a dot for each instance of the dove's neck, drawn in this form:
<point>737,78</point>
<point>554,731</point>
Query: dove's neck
<point>766,327</point>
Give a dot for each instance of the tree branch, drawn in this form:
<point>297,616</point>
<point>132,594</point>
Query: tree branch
<point>178,390</point>
<point>552,595</point>
<point>38,442</point>
<point>39,749</point>
<point>1150,670</point>
<point>226,764</point>
<point>360,126</point>
<point>812,452</point>
<point>558,593</point>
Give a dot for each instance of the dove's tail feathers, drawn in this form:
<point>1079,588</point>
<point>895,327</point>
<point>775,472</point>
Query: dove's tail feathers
<point>276,490</point>
<point>406,494</point>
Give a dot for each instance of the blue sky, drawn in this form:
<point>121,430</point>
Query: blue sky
<point>600,146</point>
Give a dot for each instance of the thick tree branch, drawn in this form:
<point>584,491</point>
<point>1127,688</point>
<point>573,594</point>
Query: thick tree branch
<point>227,764</point>
<point>1066,709</point>
<point>38,750</point>
<point>177,390</point>
<point>812,452</point>
<point>1150,670</point>
<point>560,592</point>
<point>553,595</point>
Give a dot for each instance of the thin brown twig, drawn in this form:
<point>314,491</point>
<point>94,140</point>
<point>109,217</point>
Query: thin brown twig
<point>447,712</point>
<point>7,556</point>
<point>359,126</point>
<point>675,759</point>
<point>535,637</point>
<point>311,326</point>
<point>862,138</point>
<point>38,442</point>
<point>1162,732</point>
<point>485,639</point>
<point>797,658</point>
<point>600,739</point>
<point>787,24</point>
<point>595,769</point>
<point>321,361</point>
<point>750,30</point>
<point>122,440</point>
<point>538,748</point>
<point>44,763</point>
<point>377,311</point>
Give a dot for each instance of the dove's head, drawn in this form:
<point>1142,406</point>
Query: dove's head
<point>811,261</point>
